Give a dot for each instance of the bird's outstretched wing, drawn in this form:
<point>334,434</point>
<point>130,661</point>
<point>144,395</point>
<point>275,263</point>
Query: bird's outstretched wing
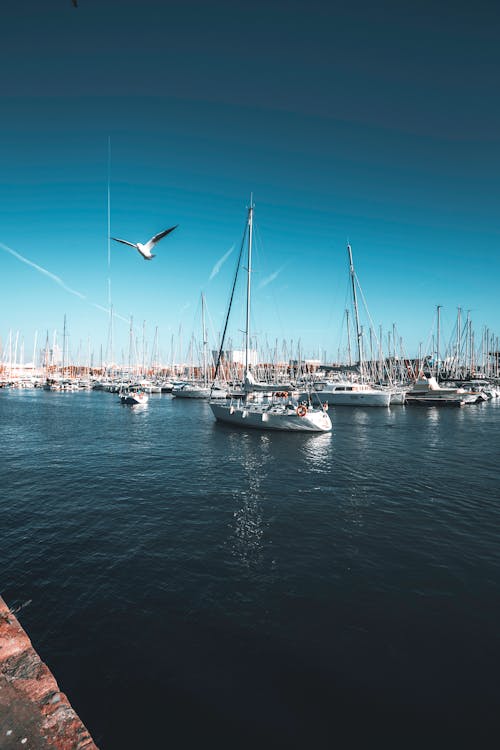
<point>159,236</point>
<point>124,242</point>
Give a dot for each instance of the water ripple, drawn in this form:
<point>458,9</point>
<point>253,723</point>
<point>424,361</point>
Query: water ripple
<point>263,556</point>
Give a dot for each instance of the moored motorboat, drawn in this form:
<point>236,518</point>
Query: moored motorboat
<point>133,398</point>
<point>190,390</point>
<point>346,393</point>
<point>427,391</point>
<point>197,390</point>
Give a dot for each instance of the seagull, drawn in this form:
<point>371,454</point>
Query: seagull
<point>145,250</point>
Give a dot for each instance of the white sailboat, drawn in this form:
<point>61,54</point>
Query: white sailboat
<point>354,393</point>
<point>271,410</point>
<point>199,389</point>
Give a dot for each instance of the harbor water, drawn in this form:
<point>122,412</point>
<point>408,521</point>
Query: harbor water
<point>194,584</point>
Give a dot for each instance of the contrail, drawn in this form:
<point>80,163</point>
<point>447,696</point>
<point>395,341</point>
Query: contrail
<point>59,281</point>
<point>108,311</point>
<point>271,277</point>
<point>220,262</point>
<point>44,271</point>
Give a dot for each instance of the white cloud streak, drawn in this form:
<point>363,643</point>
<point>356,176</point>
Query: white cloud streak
<point>269,279</point>
<point>220,263</point>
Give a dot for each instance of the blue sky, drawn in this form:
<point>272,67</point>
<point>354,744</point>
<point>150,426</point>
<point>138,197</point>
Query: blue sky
<point>375,126</point>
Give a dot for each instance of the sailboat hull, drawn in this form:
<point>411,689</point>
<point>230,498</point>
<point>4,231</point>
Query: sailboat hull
<point>197,391</point>
<point>274,418</point>
<point>191,391</point>
<point>349,395</point>
<point>353,398</point>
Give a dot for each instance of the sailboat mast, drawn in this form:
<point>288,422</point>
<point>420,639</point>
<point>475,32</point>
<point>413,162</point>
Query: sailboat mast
<point>46,354</point>
<point>143,349</point>
<point>204,334</point>
<point>64,346</point>
<point>155,354</point>
<point>130,345</point>
<point>15,350</point>
<point>109,222</point>
<point>111,337</point>
<point>34,351</point>
<point>249,274</point>
<point>355,303</point>
<point>438,342</point>
<point>349,357</point>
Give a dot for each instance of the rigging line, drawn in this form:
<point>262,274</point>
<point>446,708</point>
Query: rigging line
<point>372,326</point>
<point>341,336</point>
<point>211,332</point>
<point>425,352</point>
<point>406,358</point>
<point>378,343</point>
<point>347,302</point>
<point>261,254</point>
<point>229,307</point>
<point>109,221</point>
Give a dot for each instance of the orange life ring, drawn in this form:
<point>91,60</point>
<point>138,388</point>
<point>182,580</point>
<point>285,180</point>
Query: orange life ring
<point>301,410</point>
